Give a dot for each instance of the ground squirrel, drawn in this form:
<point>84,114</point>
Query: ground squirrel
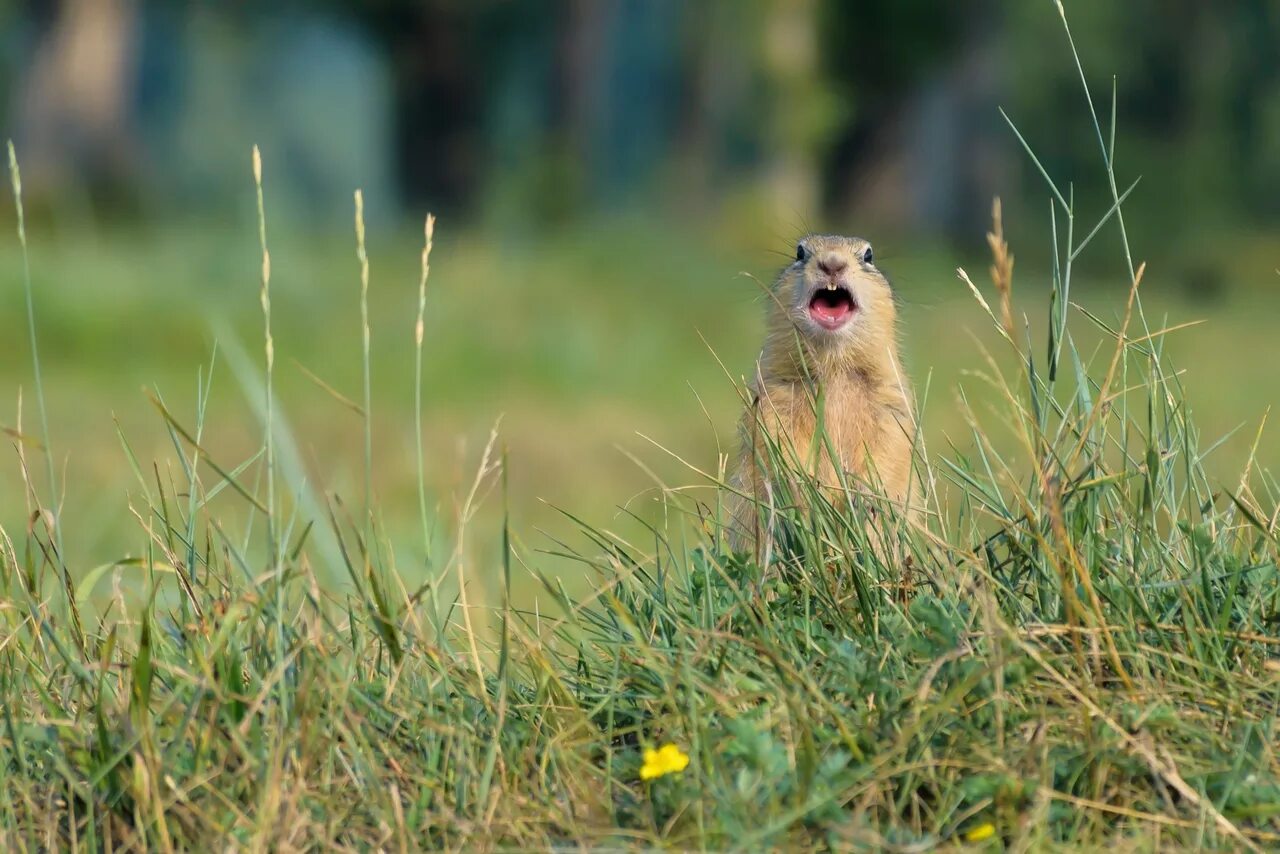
<point>832,324</point>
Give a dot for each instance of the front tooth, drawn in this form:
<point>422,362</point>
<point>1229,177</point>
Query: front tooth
<point>831,286</point>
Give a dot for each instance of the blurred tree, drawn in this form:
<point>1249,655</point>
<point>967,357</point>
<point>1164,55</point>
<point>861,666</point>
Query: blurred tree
<point>921,83</point>
<point>73,108</point>
<point>797,115</point>
<point>881,113</point>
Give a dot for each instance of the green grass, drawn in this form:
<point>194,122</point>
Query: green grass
<point>1076,648</point>
<point>574,371</point>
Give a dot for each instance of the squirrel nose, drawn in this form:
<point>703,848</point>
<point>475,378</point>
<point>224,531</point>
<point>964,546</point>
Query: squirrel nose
<point>833,265</point>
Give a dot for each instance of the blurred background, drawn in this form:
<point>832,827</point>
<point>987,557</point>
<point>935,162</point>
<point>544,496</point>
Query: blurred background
<point>604,173</point>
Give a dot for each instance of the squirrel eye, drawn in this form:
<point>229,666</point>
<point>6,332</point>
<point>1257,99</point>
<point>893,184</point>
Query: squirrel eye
<point>867,257</point>
<point>801,252</point>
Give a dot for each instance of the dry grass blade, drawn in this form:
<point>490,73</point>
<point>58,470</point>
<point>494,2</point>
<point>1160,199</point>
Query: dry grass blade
<point>1001,267</point>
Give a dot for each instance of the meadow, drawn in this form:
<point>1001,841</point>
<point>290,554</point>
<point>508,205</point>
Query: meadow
<point>255,620</point>
<point>585,345</point>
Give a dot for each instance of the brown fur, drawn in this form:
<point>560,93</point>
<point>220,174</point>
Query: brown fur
<point>868,406</point>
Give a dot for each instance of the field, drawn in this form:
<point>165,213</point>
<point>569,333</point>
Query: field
<point>267,627</point>
<point>515,329</point>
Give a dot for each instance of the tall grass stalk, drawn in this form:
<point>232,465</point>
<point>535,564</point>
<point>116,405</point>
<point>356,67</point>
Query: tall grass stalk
<point>419,329</point>
<point>366,336</point>
<point>418,333</point>
<point>269,353</point>
<point>15,179</point>
<point>275,546</point>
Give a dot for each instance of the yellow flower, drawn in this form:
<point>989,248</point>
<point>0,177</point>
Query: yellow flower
<point>981,832</point>
<point>667,759</point>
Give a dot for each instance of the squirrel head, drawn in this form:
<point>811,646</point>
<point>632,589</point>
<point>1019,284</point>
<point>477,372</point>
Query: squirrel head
<point>838,305</point>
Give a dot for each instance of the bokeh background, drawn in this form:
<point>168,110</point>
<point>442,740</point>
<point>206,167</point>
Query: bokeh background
<point>612,179</point>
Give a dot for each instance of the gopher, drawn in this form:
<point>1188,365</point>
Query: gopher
<point>832,326</point>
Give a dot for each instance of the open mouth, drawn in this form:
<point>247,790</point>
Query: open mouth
<point>832,308</point>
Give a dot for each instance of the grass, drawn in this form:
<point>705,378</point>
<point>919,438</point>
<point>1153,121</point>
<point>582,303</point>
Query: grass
<point>1075,649</point>
<point>573,383</point>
